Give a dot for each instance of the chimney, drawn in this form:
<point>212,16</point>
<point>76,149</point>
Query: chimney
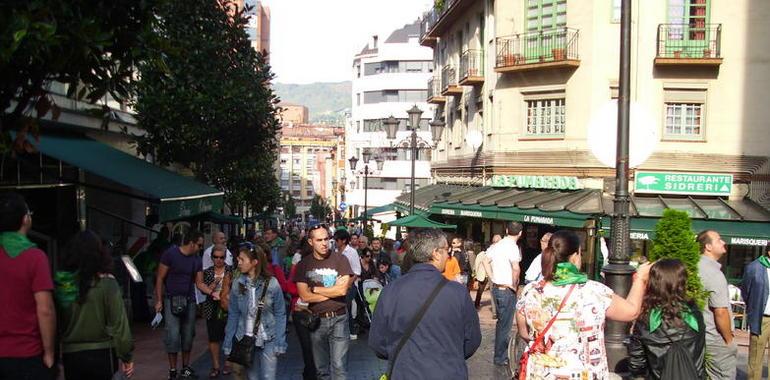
<point>374,41</point>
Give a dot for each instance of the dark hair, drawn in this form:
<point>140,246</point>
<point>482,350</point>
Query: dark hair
<point>563,244</point>
<point>13,208</point>
<point>270,228</point>
<point>375,239</point>
<point>514,228</point>
<point>191,237</point>
<point>262,243</point>
<point>364,252</point>
<point>666,289</point>
<point>257,253</point>
<point>86,255</point>
<point>704,238</point>
<point>343,235</point>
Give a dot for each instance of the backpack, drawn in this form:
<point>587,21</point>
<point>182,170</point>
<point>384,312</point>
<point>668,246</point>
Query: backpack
<point>677,362</point>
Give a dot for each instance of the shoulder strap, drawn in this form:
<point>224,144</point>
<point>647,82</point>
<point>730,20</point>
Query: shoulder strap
<point>553,319</point>
<point>415,321</point>
<point>260,305</point>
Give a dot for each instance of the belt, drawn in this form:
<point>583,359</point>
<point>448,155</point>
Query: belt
<point>502,286</point>
<point>331,314</point>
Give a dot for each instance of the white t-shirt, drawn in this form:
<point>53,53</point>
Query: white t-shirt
<point>209,262</point>
<point>535,270</point>
<point>501,256</point>
<point>355,261</point>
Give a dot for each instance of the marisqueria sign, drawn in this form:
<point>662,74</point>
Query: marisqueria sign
<point>537,182</point>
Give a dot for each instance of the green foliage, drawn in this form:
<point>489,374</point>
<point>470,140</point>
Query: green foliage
<point>674,239</point>
<point>368,231</point>
<point>210,107</point>
<point>319,208</point>
<point>91,45</point>
<point>439,5</point>
<point>289,207</point>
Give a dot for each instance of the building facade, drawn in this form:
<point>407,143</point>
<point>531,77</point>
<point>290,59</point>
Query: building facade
<point>388,79</point>
<point>526,86</point>
<point>258,26</point>
<point>308,163</point>
<point>293,113</point>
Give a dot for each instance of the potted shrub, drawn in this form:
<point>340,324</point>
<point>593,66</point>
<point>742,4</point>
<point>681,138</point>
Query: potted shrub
<point>558,54</point>
<point>677,54</point>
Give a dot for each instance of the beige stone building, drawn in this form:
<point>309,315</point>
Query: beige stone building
<point>521,85</point>
<point>293,113</point>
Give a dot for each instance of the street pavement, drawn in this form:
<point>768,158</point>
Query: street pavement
<point>151,363</point>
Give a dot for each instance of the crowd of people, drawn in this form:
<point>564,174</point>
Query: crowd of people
<point>411,297</point>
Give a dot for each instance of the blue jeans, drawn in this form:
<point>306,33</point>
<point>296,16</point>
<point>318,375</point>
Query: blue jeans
<point>330,348</point>
<point>180,330</point>
<point>505,301</point>
<point>265,363</point>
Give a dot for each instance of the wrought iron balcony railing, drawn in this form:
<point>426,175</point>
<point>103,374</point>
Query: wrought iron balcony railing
<point>554,45</point>
<point>696,40</point>
<point>434,88</point>
<point>472,66</point>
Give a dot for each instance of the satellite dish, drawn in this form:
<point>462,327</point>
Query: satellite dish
<point>474,139</point>
<point>603,130</point>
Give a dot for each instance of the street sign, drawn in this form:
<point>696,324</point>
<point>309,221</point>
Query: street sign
<point>343,206</point>
<point>683,183</point>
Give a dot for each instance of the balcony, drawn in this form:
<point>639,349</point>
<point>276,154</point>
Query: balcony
<point>439,20</point>
<point>472,68</point>
<point>549,49</point>
<point>697,44</point>
<point>428,20</point>
<point>449,81</point>
<point>434,91</point>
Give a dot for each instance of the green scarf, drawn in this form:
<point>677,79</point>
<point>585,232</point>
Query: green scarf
<point>567,273</point>
<point>66,288</point>
<point>764,260</point>
<point>15,243</point>
<point>656,318</point>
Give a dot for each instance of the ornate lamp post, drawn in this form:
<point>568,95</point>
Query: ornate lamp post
<point>367,155</point>
<point>414,124</point>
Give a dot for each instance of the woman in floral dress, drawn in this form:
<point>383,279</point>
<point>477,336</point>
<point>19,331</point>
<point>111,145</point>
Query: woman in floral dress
<point>574,344</point>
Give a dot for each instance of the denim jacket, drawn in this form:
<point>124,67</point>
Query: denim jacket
<point>273,317</point>
<point>755,291</point>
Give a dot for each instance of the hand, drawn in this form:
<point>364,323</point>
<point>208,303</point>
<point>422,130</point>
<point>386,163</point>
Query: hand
<point>158,306</point>
<point>48,359</point>
<point>128,368</point>
<point>215,296</point>
<point>643,272</point>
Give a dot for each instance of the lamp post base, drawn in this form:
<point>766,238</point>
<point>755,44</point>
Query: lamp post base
<point>618,277</point>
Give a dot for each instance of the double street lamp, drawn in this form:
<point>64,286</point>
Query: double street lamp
<point>367,155</point>
<point>413,124</point>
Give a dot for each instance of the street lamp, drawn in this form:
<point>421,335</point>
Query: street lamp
<point>436,129</point>
<point>353,162</point>
<point>391,127</point>
<point>414,124</point>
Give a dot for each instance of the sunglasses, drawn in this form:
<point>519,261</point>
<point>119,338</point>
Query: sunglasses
<point>316,226</point>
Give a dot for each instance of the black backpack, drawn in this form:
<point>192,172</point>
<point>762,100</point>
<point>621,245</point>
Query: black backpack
<point>677,362</point>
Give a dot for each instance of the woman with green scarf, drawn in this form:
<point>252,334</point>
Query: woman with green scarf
<point>565,313</point>
<point>668,316</point>
<point>93,328</point>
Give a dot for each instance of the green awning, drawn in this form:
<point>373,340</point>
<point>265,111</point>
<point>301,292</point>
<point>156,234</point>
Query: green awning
<point>211,216</point>
<point>177,195</point>
<point>382,209</point>
<point>732,232</point>
<point>418,221</point>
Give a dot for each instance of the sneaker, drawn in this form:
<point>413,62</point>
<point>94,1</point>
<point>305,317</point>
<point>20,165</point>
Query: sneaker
<point>187,373</point>
<point>172,374</point>
<point>353,336</point>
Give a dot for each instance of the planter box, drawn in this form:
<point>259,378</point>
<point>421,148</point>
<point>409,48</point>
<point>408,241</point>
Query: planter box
<point>558,54</point>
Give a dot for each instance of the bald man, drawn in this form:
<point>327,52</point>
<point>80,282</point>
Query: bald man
<point>217,238</point>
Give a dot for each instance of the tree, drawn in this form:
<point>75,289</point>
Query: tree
<point>91,45</point>
<point>674,239</point>
<point>211,108</point>
<point>289,207</point>
<point>319,208</point>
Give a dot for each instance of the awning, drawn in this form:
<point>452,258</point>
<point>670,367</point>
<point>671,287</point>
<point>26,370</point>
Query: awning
<point>738,222</point>
<point>424,198</point>
<point>211,216</point>
<point>419,221</point>
<point>177,195</point>
<point>379,210</point>
<point>552,207</point>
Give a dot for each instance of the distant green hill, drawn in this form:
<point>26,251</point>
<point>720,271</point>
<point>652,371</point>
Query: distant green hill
<point>324,101</point>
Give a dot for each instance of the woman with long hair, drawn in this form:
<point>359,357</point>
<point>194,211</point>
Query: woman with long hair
<point>368,270</point>
<point>668,315</point>
<point>94,330</point>
<point>215,315</point>
<point>563,316</point>
<point>245,300</point>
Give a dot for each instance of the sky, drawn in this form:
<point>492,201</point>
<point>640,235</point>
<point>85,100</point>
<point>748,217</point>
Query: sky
<point>315,40</point>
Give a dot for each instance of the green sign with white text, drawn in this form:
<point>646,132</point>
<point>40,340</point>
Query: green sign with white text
<point>537,182</point>
<point>683,183</point>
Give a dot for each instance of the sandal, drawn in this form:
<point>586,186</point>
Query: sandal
<point>214,373</point>
<point>227,370</point>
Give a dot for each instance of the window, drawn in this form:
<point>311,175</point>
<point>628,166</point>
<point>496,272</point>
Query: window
<point>546,14</point>
<point>358,99</point>
<point>684,120</point>
<point>546,117</point>
<point>393,96</point>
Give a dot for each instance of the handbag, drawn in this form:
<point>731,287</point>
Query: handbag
<point>307,320</point>
<point>178,305</point>
<point>412,326</point>
<point>539,345</point>
<point>243,349</point>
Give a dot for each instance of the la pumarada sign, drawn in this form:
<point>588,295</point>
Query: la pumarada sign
<point>683,183</point>
<point>537,182</point>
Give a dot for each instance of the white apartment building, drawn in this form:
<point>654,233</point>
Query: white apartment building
<point>388,79</point>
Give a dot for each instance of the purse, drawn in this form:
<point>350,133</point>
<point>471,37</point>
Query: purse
<point>412,326</point>
<point>539,345</point>
<point>243,349</point>
<point>178,305</point>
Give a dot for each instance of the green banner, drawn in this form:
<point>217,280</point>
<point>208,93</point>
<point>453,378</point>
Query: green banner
<point>176,209</point>
<point>683,183</point>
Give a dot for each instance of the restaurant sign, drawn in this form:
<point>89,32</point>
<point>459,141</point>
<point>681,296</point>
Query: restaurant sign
<point>683,183</point>
<point>470,213</point>
<point>537,182</point>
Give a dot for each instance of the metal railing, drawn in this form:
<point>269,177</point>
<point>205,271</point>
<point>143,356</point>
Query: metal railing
<point>434,87</point>
<point>431,17</point>
<point>448,76</point>
<point>472,63</point>
<point>695,40</point>
<point>537,47</point>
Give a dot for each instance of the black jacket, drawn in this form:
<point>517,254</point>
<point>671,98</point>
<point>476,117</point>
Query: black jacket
<point>448,334</point>
<point>646,350</point>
